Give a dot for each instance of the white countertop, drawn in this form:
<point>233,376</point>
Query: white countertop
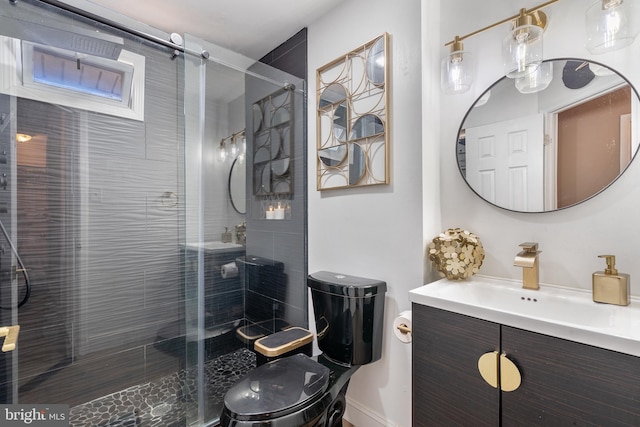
<point>561,312</point>
<point>212,246</point>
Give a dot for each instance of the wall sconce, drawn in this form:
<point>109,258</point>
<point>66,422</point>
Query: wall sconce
<point>611,25</point>
<point>233,147</point>
<point>521,50</point>
<point>242,146</point>
<point>222,151</point>
<point>522,47</point>
<point>456,69</point>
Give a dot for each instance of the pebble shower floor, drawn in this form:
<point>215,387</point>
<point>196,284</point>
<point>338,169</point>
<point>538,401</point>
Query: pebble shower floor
<point>164,403</point>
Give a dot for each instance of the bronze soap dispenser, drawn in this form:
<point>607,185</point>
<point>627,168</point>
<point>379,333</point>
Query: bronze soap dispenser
<point>609,286</point>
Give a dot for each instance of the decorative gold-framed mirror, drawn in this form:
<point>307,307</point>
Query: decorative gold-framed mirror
<point>352,118</point>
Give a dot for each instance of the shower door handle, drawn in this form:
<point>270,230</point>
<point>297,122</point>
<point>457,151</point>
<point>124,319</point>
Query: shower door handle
<point>10,334</point>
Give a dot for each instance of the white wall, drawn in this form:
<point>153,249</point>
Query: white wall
<point>377,232</point>
<point>572,238</point>
<point>222,119</point>
<point>381,232</point>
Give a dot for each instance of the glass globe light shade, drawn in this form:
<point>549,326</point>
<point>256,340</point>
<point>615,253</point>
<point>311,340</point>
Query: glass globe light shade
<point>456,72</point>
<point>522,51</point>
<point>222,152</point>
<point>243,144</point>
<point>611,25</point>
<point>233,149</point>
<point>537,80</point>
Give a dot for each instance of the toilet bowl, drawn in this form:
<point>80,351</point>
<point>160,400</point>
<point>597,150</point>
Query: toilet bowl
<point>299,390</point>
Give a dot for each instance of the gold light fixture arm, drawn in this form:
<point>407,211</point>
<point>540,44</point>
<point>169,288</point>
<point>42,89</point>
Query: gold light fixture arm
<point>237,134</point>
<point>538,16</point>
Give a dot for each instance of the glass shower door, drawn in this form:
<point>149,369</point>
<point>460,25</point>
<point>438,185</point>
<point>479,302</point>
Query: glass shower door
<point>91,198</point>
<point>230,101</point>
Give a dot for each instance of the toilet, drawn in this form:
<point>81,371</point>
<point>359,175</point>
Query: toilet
<point>303,391</point>
<point>264,277</point>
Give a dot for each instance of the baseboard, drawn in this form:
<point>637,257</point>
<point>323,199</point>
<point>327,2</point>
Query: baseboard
<point>361,416</point>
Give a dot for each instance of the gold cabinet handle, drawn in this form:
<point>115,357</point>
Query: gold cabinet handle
<point>499,371</point>
<point>11,337</point>
<point>488,367</point>
<point>510,378</point>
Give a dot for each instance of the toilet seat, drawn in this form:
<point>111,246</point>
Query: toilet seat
<point>277,388</point>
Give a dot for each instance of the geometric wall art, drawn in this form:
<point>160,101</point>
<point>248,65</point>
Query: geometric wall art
<point>352,119</point>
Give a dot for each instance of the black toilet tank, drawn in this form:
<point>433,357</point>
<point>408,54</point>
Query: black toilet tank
<point>349,312</point>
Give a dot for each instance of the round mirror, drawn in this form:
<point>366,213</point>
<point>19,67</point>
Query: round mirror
<point>357,164</point>
<point>261,179</point>
<point>375,62</point>
<point>280,167</point>
<point>257,117</point>
<point>262,155</point>
<point>336,95</point>
<point>276,142</point>
<point>333,156</point>
<point>238,186</point>
<point>280,117</point>
<point>366,126</point>
<point>551,141</point>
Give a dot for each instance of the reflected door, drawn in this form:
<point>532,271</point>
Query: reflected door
<point>594,145</point>
<point>505,164</point>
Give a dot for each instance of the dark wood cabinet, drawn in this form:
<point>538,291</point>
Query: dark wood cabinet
<point>564,383</point>
<point>447,388</point>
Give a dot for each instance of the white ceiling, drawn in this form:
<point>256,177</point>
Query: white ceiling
<point>250,27</point>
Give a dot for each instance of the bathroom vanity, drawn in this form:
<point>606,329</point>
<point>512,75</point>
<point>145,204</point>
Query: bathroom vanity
<point>223,293</point>
<point>576,362</point>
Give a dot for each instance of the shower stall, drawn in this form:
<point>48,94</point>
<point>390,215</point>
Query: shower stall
<point>126,236</point>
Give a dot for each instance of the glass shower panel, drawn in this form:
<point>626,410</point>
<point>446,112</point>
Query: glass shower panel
<point>122,254</point>
<point>223,91</point>
<point>92,197</point>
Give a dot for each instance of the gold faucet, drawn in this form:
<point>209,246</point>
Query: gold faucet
<point>528,260</point>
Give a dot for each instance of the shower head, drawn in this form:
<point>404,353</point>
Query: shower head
<point>87,42</point>
<point>79,40</point>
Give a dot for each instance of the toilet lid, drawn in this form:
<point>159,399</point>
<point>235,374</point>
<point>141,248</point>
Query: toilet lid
<point>274,387</point>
